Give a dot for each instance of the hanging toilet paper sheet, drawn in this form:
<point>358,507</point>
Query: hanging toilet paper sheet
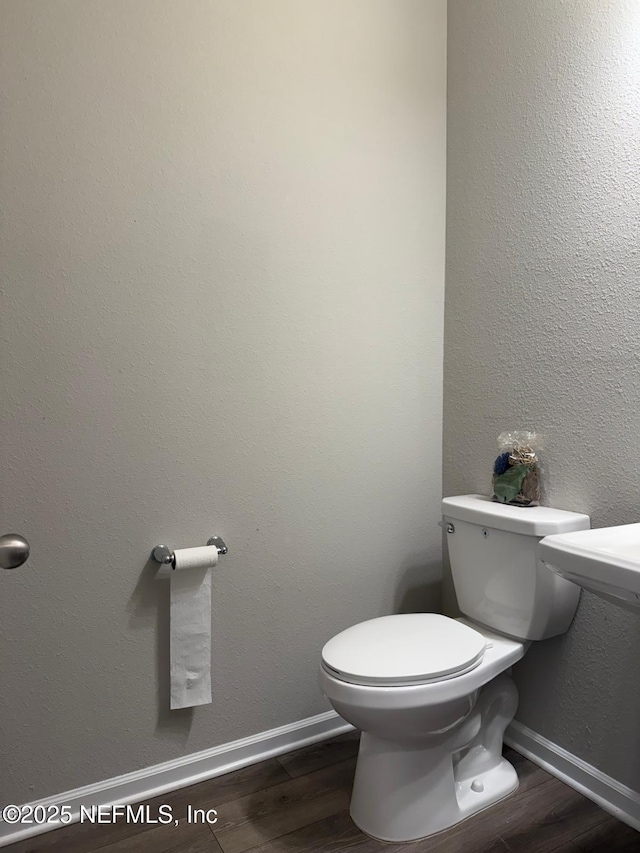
<point>190,631</point>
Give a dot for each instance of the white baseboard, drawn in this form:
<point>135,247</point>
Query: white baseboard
<point>609,794</point>
<point>182,772</point>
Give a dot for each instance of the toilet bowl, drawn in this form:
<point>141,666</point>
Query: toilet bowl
<point>432,695</point>
<point>414,735</point>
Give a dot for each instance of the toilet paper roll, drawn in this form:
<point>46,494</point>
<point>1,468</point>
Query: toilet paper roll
<point>190,634</point>
<point>205,557</point>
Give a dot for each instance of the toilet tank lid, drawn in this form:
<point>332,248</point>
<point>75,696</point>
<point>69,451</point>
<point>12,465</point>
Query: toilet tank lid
<point>528,521</point>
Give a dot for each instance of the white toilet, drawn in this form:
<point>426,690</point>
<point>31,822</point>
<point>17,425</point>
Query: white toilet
<point>431,694</point>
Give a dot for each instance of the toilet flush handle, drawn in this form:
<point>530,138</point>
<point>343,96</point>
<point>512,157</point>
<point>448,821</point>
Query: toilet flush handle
<point>447,526</point>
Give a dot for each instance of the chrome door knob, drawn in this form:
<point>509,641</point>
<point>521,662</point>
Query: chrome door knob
<point>14,551</point>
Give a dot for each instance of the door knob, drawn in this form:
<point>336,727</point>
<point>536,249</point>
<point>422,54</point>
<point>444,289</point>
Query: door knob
<point>14,551</point>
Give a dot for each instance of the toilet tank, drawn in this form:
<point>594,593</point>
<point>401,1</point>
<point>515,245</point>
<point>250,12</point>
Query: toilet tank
<point>499,580</point>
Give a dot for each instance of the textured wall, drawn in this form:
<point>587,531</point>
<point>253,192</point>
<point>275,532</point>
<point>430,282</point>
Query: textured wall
<point>543,310</point>
<point>222,269</point>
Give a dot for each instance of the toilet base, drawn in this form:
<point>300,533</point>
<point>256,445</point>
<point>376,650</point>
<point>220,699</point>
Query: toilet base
<point>405,790</point>
<point>496,784</point>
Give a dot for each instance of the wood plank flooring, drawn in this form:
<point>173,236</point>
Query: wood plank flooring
<point>299,803</point>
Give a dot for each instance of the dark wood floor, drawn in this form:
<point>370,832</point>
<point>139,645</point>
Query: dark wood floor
<point>298,803</point>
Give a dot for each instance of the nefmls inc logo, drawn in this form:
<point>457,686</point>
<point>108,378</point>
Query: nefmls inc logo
<point>130,814</point>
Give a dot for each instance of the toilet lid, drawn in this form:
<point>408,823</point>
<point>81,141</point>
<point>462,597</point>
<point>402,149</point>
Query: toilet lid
<point>412,648</point>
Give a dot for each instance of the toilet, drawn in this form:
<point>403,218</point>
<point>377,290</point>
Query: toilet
<point>432,695</point>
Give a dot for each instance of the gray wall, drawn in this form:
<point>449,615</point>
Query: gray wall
<point>542,325</point>
<point>222,270</point>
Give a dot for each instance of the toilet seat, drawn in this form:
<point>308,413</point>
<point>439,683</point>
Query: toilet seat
<point>403,650</point>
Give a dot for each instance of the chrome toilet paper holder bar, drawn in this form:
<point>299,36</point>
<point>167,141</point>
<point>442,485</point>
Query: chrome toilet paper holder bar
<point>163,555</point>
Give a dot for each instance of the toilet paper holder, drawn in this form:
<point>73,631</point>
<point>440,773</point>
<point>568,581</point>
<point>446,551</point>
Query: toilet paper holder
<point>163,555</point>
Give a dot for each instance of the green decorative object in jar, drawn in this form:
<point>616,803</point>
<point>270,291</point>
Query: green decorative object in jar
<point>516,471</point>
